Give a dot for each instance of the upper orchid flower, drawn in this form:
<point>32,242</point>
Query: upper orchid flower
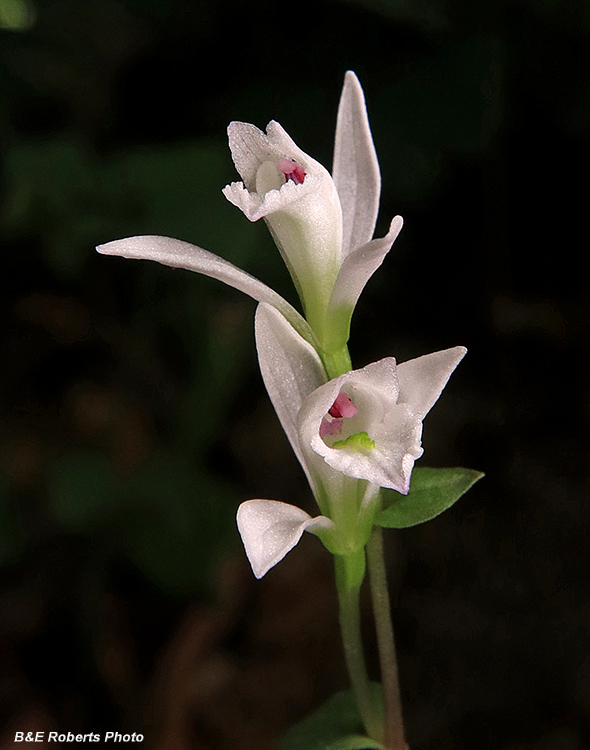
<point>323,225</point>
<point>298,200</point>
<point>352,434</point>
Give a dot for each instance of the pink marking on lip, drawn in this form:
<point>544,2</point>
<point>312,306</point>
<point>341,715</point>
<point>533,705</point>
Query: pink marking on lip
<point>292,171</point>
<point>330,427</point>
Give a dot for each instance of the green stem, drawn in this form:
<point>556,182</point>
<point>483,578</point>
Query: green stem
<point>393,722</point>
<point>336,363</point>
<point>348,587</point>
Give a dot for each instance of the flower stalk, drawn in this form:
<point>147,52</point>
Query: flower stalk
<point>393,734</point>
<point>348,587</point>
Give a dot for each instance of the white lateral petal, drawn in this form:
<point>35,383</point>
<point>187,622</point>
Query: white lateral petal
<point>357,268</point>
<point>291,370</point>
<point>422,380</point>
<point>179,254</point>
<point>269,529</point>
<point>356,169</point>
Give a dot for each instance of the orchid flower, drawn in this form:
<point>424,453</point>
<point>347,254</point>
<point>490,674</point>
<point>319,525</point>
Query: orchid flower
<point>322,225</point>
<point>379,411</point>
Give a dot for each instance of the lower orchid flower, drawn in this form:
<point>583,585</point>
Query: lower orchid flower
<point>379,411</point>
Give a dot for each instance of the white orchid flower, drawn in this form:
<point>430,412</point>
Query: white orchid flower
<point>322,225</point>
<point>352,434</point>
<point>298,200</point>
<point>367,423</point>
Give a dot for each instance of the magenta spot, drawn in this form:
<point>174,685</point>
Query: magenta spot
<point>330,427</point>
<point>342,407</point>
<point>292,171</point>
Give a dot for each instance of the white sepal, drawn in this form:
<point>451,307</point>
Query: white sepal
<point>355,169</point>
<point>291,370</point>
<point>179,254</point>
<point>422,380</point>
<point>356,270</point>
<point>269,529</point>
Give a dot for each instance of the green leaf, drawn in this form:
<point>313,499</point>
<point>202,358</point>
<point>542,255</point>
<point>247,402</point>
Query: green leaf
<point>336,725</point>
<point>431,492</point>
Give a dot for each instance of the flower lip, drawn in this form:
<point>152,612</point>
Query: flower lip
<point>272,191</point>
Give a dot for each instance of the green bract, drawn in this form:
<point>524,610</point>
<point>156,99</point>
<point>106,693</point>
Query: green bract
<point>431,492</point>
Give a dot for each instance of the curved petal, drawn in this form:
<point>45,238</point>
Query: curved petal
<point>269,529</point>
<point>421,380</point>
<point>383,439</point>
<point>357,268</point>
<point>179,254</point>
<point>291,370</point>
<point>356,169</point>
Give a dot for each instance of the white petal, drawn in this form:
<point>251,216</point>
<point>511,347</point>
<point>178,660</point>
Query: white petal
<point>178,254</point>
<point>250,149</point>
<point>397,446</point>
<point>422,379</point>
<point>291,370</point>
<point>356,169</point>
<point>269,529</point>
<point>357,268</point>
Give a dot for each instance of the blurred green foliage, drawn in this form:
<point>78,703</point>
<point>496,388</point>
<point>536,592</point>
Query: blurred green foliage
<point>59,190</point>
<point>17,15</point>
<point>171,516</point>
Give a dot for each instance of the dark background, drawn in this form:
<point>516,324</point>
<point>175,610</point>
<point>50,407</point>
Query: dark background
<point>133,419</point>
